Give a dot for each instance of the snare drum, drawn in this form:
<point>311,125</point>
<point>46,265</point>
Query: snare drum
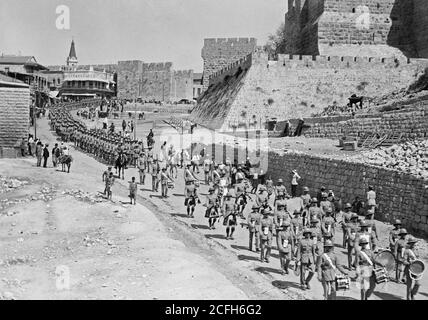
<point>170,184</point>
<point>343,282</point>
<point>381,275</point>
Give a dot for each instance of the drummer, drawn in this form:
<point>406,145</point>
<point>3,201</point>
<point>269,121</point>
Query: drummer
<point>327,266</point>
<point>410,255</point>
<point>365,261</point>
<point>399,248</point>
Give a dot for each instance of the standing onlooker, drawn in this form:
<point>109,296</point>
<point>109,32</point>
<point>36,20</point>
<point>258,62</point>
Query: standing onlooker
<point>45,155</point>
<point>30,145</point>
<point>55,152</point>
<point>23,147</point>
<point>294,183</point>
<point>371,199</point>
<point>39,153</point>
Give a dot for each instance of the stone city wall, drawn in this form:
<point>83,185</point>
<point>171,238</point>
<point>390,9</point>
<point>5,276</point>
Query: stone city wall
<point>412,124</point>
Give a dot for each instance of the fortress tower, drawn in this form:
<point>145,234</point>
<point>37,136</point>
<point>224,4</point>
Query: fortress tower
<point>372,28</point>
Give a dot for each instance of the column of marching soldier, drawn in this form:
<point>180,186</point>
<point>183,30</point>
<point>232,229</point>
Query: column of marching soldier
<point>304,237</point>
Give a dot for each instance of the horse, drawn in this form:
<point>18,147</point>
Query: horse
<point>65,160</point>
<point>120,165</point>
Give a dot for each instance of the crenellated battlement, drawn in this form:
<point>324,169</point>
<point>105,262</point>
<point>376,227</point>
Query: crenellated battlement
<point>232,66</point>
<point>340,61</point>
<point>183,73</point>
<point>229,41</point>
<point>159,66</point>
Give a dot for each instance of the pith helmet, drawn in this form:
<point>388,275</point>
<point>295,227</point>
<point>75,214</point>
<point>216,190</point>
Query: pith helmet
<point>412,239</point>
<point>402,231</point>
<point>305,189</point>
<point>363,241</point>
<point>306,231</point>
<point>348,206</point>
<point>328,243</point>
<point>397,222</point>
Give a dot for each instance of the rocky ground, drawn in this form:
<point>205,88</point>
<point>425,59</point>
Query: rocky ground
<point>410,157</point>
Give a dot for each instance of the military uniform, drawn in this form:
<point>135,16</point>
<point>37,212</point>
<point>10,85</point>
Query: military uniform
<point>306,258</point>
<point>265,231</point>
<point>253,222</point>
<point>285,244</point>
<point>410,255</point>
<point>229,213</point>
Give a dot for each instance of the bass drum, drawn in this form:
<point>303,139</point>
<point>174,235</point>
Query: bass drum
<point>387,259</point>
<point>417,269</point>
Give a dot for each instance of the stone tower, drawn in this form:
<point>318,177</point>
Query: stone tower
<point>218,53</point>
<point>370,28</point>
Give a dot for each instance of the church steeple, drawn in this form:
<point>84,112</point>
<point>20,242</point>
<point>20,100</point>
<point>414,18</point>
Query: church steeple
<point>72,57</point>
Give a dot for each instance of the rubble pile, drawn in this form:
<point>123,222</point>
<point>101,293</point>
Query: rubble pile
<point>410,157</point>
<point>9,184</point>
<point>46,194</point>
<point>85,196</point>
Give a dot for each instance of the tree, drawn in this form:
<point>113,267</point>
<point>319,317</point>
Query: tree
<point>276,43</point>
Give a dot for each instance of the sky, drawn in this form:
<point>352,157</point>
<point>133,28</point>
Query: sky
<point>107,31</point>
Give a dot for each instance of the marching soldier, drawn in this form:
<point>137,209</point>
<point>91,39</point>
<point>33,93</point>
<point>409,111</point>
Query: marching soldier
<point>262,197</point>
<point>253,222</point>
<point>266,231</point>
<point>399,249</point>
<point>229,213</point>
<point>212,205</point>
<point>306,201</point>
<point>154,171</point>
<point>306,259</point>
<point>328,223</point>
<point>315,212</point>
<point>371,223</point>
<point>364,234</point>
<point>325,204</point>
<point>269,187</point>
<point>164,178</point>
<point>281,215</point>
<point>365,261</point>
<point>327,266</point>
<point>394,235</point>
<point>346,219</point>
<point>297,227</point>
<point>190,200</point>
<point>351,236</point>
<point>285,244</point>
<point>410,255</point>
